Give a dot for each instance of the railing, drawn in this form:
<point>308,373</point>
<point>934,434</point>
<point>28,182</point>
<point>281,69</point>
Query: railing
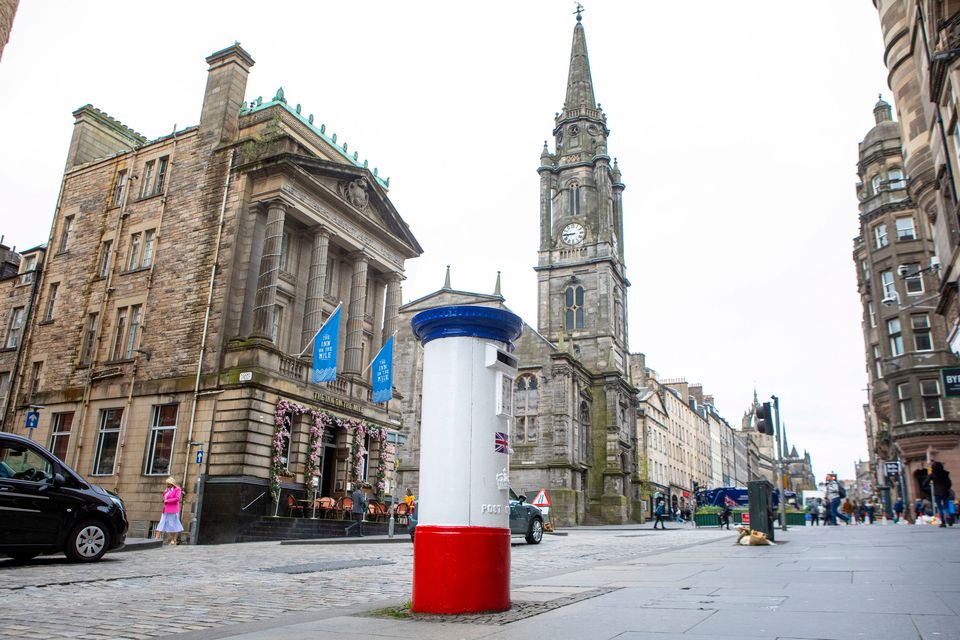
<point>293,367</point>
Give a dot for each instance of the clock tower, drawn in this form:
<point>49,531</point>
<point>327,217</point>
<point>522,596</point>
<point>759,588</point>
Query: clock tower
<point>580,271</point>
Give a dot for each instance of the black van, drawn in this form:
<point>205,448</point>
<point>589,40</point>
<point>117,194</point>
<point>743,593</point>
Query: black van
<point>46,507</point>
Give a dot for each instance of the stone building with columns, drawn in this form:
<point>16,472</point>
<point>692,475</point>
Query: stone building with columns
<point>187,273</point>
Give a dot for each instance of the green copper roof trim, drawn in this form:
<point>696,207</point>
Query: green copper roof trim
<point>278,100</point>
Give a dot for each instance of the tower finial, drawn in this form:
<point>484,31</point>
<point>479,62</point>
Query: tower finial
<point>496,288</point>
<point>579,11</point>
<point>446,280</point>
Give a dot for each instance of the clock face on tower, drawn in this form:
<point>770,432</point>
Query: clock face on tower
<point>573,233</point>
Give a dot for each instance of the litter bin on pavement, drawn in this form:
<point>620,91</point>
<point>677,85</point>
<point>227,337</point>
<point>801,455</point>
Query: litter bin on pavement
<point>760,493</point>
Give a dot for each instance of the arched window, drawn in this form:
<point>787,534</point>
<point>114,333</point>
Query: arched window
<point>525,409</point>
<point>573,306</point>
<point>574,190</point>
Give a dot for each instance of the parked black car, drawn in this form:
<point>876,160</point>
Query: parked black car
<point>46,507</point>
<point>525,520</point>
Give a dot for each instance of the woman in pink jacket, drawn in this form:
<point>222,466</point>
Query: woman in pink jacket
<point>170,521</point>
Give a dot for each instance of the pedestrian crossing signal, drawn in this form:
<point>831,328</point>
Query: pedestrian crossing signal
<point>763,420</point>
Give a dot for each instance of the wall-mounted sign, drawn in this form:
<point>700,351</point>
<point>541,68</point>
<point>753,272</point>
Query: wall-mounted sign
<point>951,381</point>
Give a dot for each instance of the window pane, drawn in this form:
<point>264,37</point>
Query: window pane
<point>568,322</point>
<point>107,441</point>
<point>579,318</point>
<point>118,333</point>
<point>146,189</point>
<point>931,408</point>
<point>135,312</point>
<point>921,321</point>
<point>905,229</point>
<point>579,296</point>
<point>922,341</point>
<point>91,337</point>
<point>531,425</point>
<point>929,388</point>
<point>569,298</point>
<point>62,423</point>
<point>161,175</point>
<point>148,248</point>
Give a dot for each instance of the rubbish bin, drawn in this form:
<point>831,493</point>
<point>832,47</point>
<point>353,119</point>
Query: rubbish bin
<point>760,493</point>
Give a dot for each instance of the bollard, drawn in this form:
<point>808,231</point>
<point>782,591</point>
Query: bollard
<point>461,559</point>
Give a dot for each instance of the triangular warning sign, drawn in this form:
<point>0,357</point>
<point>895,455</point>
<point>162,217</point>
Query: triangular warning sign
<point>541,500</point>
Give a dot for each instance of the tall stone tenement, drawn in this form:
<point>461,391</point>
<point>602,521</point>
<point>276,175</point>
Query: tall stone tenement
<point>184,277</point>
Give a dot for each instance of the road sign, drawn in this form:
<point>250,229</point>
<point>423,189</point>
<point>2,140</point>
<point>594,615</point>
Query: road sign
<point>541,499</point>
<point>33,417</point>
<point>199,456</point>
<point>893,467</point>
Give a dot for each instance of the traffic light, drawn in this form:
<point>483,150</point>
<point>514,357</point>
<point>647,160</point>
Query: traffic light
<point>764,420</point>
<point>696,487</point>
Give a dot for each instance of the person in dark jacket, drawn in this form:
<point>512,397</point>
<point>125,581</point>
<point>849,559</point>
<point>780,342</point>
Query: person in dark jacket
<point>940,478</point>
<point>659,513</point>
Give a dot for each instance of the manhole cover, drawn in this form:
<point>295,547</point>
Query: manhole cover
<point>333,565</point>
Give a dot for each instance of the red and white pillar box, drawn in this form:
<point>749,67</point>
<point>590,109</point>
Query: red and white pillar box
<point>461,559</point>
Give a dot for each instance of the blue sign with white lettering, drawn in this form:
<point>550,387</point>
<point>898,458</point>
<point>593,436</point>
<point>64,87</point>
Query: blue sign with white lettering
<point>199,456</point>
<point>33,417</point>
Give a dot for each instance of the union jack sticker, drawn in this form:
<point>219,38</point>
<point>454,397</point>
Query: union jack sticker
<point>501,443</point>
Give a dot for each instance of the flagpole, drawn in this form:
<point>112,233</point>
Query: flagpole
<point>370,364</point>
<point>309,342</point>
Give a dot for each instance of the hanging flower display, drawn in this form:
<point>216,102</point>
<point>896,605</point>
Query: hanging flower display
<point>320,421</point>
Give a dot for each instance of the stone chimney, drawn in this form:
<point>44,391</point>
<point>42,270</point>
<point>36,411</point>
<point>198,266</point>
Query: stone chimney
<point>224,95</point>
<point>97,135</point>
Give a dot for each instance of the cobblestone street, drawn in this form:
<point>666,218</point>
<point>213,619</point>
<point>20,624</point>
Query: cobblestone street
<point>169,590</point>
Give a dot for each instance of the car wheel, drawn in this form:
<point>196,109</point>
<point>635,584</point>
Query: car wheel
<point>535,531</point>
<point>23,556</point>
<point>87,542</point>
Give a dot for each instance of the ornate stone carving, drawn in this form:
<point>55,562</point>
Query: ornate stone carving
<point>355,193</point>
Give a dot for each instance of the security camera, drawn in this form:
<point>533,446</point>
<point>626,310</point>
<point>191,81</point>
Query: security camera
<point>934,262</point>
<point>889,301</point>
<point>903,270</point>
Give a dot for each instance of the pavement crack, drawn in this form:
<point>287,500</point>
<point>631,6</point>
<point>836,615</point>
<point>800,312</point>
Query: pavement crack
<point>70,582</point>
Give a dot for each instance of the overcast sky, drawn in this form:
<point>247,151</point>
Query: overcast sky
<point>735,125</point>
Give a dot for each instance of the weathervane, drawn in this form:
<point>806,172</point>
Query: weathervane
<point>579,11</point>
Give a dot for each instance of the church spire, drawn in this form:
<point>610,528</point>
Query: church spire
<point>579,81</point>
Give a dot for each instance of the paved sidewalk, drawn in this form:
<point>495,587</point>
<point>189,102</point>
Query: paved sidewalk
<point>833,583</point>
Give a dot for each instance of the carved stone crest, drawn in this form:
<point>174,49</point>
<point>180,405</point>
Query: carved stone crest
<point>355,193</point>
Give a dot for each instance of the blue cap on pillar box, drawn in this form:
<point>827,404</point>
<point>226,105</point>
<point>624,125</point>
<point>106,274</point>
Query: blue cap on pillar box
<point>467,321</point>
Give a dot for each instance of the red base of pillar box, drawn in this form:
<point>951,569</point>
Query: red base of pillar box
<point>461,569</point>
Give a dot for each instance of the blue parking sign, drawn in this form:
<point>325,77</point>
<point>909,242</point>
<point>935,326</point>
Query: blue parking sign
<point>33,417</point>
<point>199,456</point>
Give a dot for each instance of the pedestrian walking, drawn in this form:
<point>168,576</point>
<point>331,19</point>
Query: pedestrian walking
<point>940,478</point>
<point>835,493</point>
<point>170,520</point>
<point>359,508</point>
<point>814,512</point>
<point>658,514</point>
<point>898,510</point>
<point>725,514</point>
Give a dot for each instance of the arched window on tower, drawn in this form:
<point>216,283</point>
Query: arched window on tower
<point>573,308</point>
<point>525,409</point>
<point>574,191</point>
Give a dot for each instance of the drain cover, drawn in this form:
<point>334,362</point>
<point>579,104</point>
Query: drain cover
<point>333,565</point>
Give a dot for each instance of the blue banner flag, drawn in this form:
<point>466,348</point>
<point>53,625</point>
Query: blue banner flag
<point>325,350</point>
<point>383,373</point>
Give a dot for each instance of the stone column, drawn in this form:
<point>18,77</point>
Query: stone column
<point>312,315</point>
<point>391,312</point>
<point>356,315</point>
<point>266,295</point>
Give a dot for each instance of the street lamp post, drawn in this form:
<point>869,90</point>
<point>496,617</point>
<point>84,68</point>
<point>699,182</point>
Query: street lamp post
<point>779,467</point>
